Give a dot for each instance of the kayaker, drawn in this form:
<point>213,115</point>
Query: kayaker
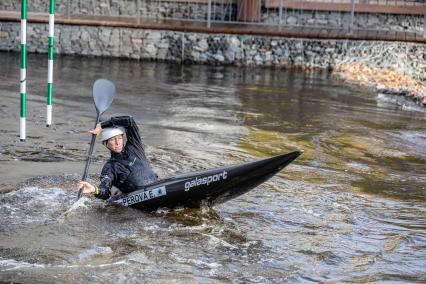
<point>128,168</point>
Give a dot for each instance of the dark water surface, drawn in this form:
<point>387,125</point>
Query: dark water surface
<point>351,208</point>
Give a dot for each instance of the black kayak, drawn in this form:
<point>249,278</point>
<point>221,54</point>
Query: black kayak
<point>205,187</point>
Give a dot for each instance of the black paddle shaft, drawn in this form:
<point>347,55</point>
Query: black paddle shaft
<point>89,157</point>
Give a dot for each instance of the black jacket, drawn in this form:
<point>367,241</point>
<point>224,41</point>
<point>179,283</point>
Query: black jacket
<point>129,169</point>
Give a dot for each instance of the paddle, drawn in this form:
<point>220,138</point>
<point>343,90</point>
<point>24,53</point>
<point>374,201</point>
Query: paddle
<point>103,94</point>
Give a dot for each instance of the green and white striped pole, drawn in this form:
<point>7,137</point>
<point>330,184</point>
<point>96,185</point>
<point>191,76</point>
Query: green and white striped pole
<point>50,63</point>
<point>23,76</point>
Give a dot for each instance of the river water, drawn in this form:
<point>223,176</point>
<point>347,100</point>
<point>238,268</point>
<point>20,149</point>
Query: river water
<point>351,208</point>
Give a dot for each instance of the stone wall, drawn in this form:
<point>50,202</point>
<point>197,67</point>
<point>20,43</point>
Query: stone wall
<point>162,9</point>
<point>128,8</point>
<point>362,21</point>
<point>241,50</point>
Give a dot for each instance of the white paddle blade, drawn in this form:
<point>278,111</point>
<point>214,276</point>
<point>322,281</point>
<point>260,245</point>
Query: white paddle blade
<point>103,94</point>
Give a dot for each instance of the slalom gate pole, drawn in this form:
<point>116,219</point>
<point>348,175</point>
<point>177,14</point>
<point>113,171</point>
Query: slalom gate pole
<point>23,76</point>
<point>50,63</point>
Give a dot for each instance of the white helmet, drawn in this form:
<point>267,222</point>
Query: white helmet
<point>110,132</point>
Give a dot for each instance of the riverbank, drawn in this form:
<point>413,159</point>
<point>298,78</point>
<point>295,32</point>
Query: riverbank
<point>383,81</point>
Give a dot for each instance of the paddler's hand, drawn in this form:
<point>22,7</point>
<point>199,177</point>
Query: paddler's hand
<point>87,187</point>
<point>97,130</point>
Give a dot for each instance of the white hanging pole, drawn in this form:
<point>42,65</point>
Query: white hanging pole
<point>50,63</point>
<point>23,76</point>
